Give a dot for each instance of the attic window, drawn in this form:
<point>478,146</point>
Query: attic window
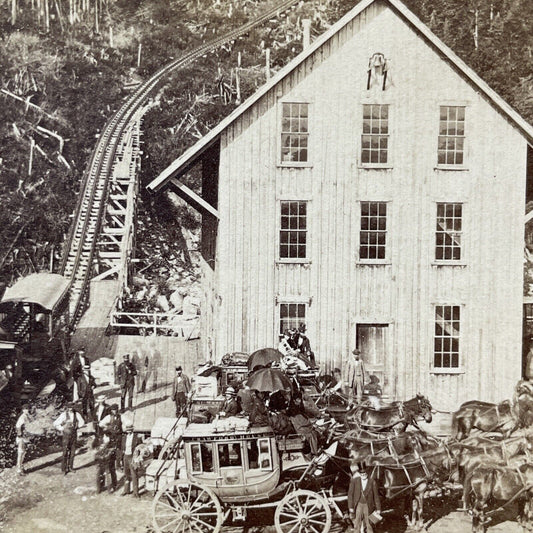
<point>294,133</point>
<point>451,135</point>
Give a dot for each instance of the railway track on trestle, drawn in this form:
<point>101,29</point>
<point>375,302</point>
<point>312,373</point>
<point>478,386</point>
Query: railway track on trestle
<point>81,240</point>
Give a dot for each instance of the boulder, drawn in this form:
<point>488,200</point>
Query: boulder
<point>191,305</point>
<point>176,299</point>
<point>162,303</point>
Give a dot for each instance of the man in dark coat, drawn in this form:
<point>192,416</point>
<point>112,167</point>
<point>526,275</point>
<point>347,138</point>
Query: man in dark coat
<point>231,406</point>
<point>126,373</point>
<point>105,462</point>
<point>258,414</point>
<point>86,385</point>
<point>180,389</point>
<point>130,441</point>
<point>101,410</point>
<point>112,425</point>
<point>363,497</point>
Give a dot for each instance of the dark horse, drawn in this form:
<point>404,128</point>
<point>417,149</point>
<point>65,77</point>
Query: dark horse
<point>488,417</point>
<point>492,483</point>
<point>395,416</point>
<point>412,475</point>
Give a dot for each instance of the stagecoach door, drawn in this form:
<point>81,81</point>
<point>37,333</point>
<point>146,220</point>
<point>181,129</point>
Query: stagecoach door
<point>372,340</point>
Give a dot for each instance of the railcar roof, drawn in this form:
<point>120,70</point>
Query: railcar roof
<point>45,289</point>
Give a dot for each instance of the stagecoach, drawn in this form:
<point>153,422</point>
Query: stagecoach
<point>231,474</point>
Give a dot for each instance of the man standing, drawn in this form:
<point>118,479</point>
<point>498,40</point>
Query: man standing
<point>363,497</point>
<point>112,425</point>
<point>105,462</point>
<point>129,442</point>
<point>180,390</point>
<point>100,412</point>
<point>86,385</point>
<point>67,424</point>
<point>22,437</point>
<point>126,379</point>
<point>305,346</point>
<point>356,375</point>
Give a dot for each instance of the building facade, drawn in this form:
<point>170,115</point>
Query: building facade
<point>374,190</point>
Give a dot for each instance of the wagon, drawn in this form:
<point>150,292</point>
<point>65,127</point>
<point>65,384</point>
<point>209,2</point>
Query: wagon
<point>234,473</point>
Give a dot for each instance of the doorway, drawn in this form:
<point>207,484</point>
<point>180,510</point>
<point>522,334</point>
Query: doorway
<point>373,341</point>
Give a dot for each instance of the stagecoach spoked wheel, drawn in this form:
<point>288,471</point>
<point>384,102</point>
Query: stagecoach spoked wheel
<point>302,511</point>
<point>186,507</point>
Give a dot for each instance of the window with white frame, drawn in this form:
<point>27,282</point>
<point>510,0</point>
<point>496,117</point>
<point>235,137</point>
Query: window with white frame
<point>375,136</point>
<point>448,231</point>
<point>294,133</point>
<point>447,336</point>
<point>293,230</point>
<point>451,135</point>
<point>291,315</point>
<point>373,230</point>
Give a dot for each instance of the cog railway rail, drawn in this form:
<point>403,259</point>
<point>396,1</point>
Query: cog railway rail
<point>83,235</point>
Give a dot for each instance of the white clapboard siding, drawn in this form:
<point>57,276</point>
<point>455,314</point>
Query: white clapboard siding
<point>248,281</point>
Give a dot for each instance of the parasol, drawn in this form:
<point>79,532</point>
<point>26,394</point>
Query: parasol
<point>263,358</point>
<point>269,380</point>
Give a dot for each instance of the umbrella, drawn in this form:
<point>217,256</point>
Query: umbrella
<point>269,380</point>
<point>264,357</point>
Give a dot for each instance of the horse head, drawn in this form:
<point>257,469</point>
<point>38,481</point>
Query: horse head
<point>425,409</point>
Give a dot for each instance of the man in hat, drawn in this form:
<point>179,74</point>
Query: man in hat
<point>304,346</point>
<point>180,389</point>
<point>85,386</point>
<point>126,373</point>
<point>130,441</point>
<point>79,360</point>
<point>105,462</point>
<point>363,497</point>
<point>22,437</point>
<point>100,412</point>
<point>231,406</point>
<point>355,375</point>
<point>112,425</point>
<point>67,424</point>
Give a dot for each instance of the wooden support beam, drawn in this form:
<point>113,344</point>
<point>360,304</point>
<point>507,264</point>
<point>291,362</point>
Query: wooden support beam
<point>193,199</point>
<point>107,273</point>
<point>529,216</point>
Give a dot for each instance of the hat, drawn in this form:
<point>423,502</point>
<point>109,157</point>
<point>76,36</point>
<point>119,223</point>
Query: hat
<point>178,368</point>
<point>114,407</point>
<point>302,326</point>
<point>230,391</point>
<point>129,425</point>
<point>100,398</point>
<point>357,351</point>
<point>25,407</point>
<point>126,356</point>
<point>81,350</point>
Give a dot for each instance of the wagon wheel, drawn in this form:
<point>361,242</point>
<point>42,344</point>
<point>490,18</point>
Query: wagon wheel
<point>302,511</point>
<point>186,508</point>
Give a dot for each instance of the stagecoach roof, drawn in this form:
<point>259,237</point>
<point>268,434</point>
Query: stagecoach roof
<point>45,289</point>
<point>212,432</point>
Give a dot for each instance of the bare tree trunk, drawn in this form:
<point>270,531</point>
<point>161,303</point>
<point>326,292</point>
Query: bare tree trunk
<point>238,79</point>
<point>476,27</point>
<point>59,15</point>
<point>30,164</point>
<point>267,63</point>
<point>96,17</point>
<point>139,55</point>
<point>111,36</point>
<point>70,12</point>
<point>13,12</point>
<point>46,16</point>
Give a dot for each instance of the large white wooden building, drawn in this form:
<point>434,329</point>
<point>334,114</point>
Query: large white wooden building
<point>374,189</point>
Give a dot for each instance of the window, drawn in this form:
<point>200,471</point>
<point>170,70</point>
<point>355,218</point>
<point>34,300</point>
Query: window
<point>259,456</point>
<point>448,232</point>
<point>373,233</point>
<point>229,454</point>
<point>447,329</point>
<point>294,132</point>
<point>375,137</point>
<point>451,135</point>
<point>202,458</point>
<point>293,230</point>
<point>291,315</point>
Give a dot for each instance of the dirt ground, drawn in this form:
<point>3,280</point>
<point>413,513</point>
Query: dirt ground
<point>46,501</point>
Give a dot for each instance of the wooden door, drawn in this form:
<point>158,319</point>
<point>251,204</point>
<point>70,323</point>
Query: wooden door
<point>372,340</point>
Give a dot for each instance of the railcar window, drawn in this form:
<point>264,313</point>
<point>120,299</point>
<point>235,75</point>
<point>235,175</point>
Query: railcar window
<point>229,454</point>
<point>265,457</point>
<point>202,458</point>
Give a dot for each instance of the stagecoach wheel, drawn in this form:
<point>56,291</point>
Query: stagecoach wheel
<point>186,508</point>
<point>302,511</point>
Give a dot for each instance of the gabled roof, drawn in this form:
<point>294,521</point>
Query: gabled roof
<point>188,158</point>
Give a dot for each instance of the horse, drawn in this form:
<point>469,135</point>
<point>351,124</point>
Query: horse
<point>394,416</point>
<point>499,483</point>
<point>362,443</point>
<point>485,416</point>
<point>411,475</point>
<point>479,451</point>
